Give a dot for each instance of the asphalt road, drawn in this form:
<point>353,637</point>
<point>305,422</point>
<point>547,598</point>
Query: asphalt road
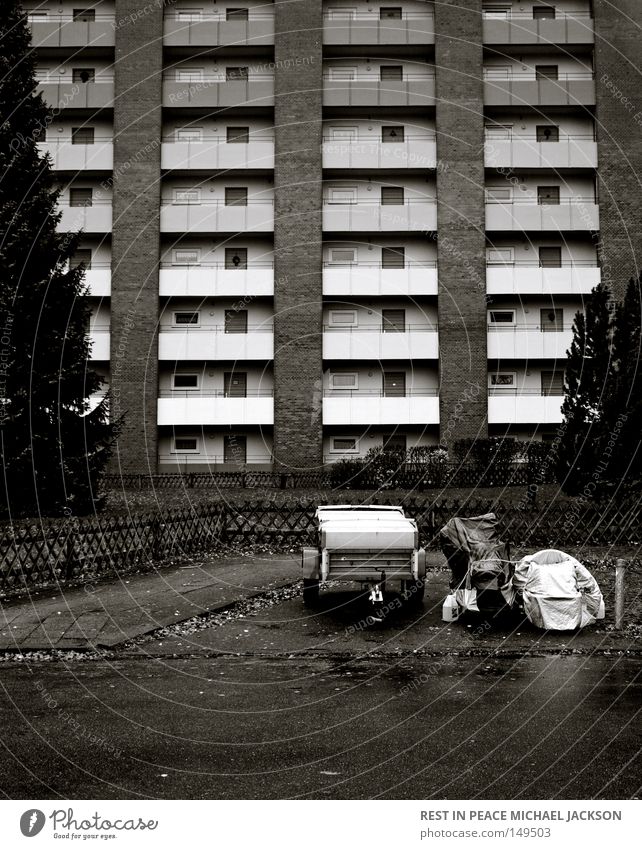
<point>291,705</point>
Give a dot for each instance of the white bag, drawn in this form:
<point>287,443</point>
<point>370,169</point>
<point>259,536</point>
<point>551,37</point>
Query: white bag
<point>467,596</point>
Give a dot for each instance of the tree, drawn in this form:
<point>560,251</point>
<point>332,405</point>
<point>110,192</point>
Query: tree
<point>53,445</point>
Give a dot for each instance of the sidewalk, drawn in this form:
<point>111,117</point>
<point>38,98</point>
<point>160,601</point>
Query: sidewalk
<point>105,615</point>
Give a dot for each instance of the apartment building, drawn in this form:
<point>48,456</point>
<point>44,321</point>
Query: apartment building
<point>311,228</point>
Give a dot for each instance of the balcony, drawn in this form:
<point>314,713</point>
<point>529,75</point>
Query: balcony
<point>64,31</point>
<point>417,341</point>
<point>214,154</point>
<point>211,31</point>
<point>66,156</point>
<point>572,89</point>
<point>213,343</point>
<point>62,93</point>
<point>573,27</point>
<point>89,219</point>
<point>206,280</point>
<point>364,28</point>
<point>354,407</point>
<point>98,280</point>
<point>215,217</point>
<point>417,151</point>
<point>178,408</point>
<point>417,278</point>
<point>99,339</point>
<point>527,342</point>
<point>569,152</point>
<point>414,215</point>
<point>412,90</point>
<point>519,406</point>
<point>573,278</point>
<point>219,93</point>
<point>575,213</point>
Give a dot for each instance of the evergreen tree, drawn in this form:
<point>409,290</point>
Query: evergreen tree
<point>53,447</point>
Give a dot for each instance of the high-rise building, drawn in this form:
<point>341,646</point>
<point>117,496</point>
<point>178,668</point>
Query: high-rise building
<point>311,228</point>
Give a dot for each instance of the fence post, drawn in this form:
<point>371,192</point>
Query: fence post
<point>620,582</point>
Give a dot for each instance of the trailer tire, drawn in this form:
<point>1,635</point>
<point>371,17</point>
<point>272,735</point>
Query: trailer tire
<point>310,592</point>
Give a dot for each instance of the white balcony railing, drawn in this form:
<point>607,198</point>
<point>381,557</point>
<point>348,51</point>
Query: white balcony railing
<point>216,409</point>
<point>413,215</point>
<point>61,92</point>
<point>363,27</point>
<point>576,213</point>
<point>519,27</point>
<point>363,278</point>
<point>66,156</point>
<point>65,31</point>
<point>99,338</point>
<point>372,343</point>
<point>527,341</point>
<point>216,216</point>
<point>415,151</point>
<point>374,408</point>
<point>207,29</point>
<point>96,218</point>
<point>570,89</point>
<point>572,278</point>
<point>217,280</point>
<point>217,91</point>
<point>98,280</point>
<point>413,89</point>
<point>519,406</point>
<point>569,152</point>
<point>213,343</point>
<point>213,153</point>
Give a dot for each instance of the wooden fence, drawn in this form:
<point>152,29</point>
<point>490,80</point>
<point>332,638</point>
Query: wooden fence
<point>63,550</point>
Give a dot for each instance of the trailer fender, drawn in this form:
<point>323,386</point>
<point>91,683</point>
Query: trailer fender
<point>311,563</point>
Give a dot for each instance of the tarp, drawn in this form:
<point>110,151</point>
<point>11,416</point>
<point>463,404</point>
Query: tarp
<point>559,593</point>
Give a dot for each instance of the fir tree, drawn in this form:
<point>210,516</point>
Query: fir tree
<point>53,447</point>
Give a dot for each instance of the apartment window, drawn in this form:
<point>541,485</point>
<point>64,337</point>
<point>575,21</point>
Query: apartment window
<point>394,384</point>
<point>84,15</point>
<point>189,75</point>
<point>81,257</point>
<point>82,135</point>
<point>236,14</point>
<point>342,194</point>
<point>235,196</point>
<point>393,257</point>
<point>344,380</point>
<point>546,72</point>
<point>551,320</point>
<point>341,13</point>
<point>236,258</point>
<point>501,316</point>
<point>235,384</point>
<point>187,444</point>
<point>548,195</point>
<point>234,449</point>
<point>344,443</point>
<point>342,73</point>
<point>502,379</point>
<point>499,132</point>
<point>499,194</point>
<point>547,133</point>
<point>392,195</point>
<point>499,256</point>
<point>37,17</point>
<point>237,72</point>
<point>81,197</point>
<point>182,318</point>
<point>392,135</point>
<point>344,133</point>
<point>391,72</point>
<point>236,321</point>
<point>83,75</point>
<point>184,381</point>
<point>552,382</point>
<point>187,196</point>
<point>543,13</point>
<point>188,14</point>
<point>498,72</point>
<point>393,321</point>
<point>238,135</point>
<point>343,256</point>
<point>388,13</point>
<point>342,318</point>
<point>186,257</point>
<point>550,257</point>
<point>395,442</point>
<point>500,13</point>
<point>189,134</point>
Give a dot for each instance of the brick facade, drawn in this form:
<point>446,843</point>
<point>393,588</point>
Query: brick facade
<point>298,289</point>
<point>461,220</point>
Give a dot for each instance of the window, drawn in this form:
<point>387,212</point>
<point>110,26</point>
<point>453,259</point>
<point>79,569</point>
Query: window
<point>393,321</point>
<point>546,72</point>
<point>189,75</point>
<point>344,380</point>
<point>393,257</point>
<point>501,379</point>
<point>236,258</point>
<point>500,13</point>
<point>238,135</point>
<point>388,13</point>
<point>340,13</point>
<point>550,257</point>
<point>392,196</point>
<point>342,73</point>
<point>82,256</point>
<point>81,197</point>
<point>551,320</point>
<point>543,13</point>
<point>188,15</point>
<point>344,443</point>
<point>392,135</point>
<point>189,134</point>
<point>394,384</point>
<point>499,256</point>
<point>342,194</point>
<point>237,72</point>
<point>498,72</point>
<point>186,444</point>
<point>84,15</point>
<point>499,132</point>
<point>547,133</point>
<point>83,75</point>
<point>236,321</point>
<point>234,449</point>
<point>235,384</point>
<point>344,133</point>
<point>391,72</point>
<point>552,382</point>
<point>548,195</point>
<point>82,135</point>
<point>187,257</point>
<point>343,318</point>
<point>236,14</point>
<point>37,17</point>
<point>181,318</point>
<point>501,316</point>
<point>498,194</point>
<point>187,196</point>
<point>343,256</point>
<point>235,196</point>
<point>184,381</point>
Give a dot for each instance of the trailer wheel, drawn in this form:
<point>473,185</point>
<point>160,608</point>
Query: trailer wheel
<point>310,592</point>
<point>414,592</point>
